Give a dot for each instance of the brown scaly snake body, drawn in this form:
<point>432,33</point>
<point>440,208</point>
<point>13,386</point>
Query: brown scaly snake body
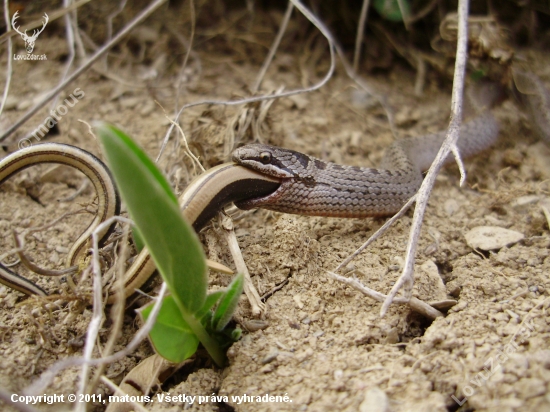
<point>282,180</point>
<point>313,187</point>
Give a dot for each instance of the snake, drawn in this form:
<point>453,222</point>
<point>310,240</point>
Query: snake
<point>310,186</point>
<point>279,179</point>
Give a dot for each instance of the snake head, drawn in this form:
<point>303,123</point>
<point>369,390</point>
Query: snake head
<point>271,160</point>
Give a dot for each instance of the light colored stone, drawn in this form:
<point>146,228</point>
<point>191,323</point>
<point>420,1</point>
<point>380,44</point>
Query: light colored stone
<point>375,400</point>
<point>492,237</point>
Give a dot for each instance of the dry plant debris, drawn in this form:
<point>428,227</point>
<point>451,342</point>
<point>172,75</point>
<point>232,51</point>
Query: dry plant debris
<point>321,343</point>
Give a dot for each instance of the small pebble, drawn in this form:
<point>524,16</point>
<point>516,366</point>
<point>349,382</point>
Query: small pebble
<point>491,237</point>
<point>375,400</point>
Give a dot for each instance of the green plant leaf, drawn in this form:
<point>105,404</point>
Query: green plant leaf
<point>211,300</point>
<point>171,336</point>
<point>236,334</point>
<point>171,241</point>
<point>152,205</point>
<point>478,74</point>
<point>228,303</point>
<point>390,10</point>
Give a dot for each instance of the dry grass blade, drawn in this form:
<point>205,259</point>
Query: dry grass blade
<point>258,307</point>
<point>273,48</point>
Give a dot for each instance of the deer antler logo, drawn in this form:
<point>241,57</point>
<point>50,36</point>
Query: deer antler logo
<point>29,40</point>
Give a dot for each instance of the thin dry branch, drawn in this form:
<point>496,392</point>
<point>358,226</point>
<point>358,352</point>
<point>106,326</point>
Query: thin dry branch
<point>117,310</point>
<point>360,34</point>
<point>104,49</point>
<point>258,307</point>
<point>274,47</point>
<point>9,69</point>
<point>415,304</point>
<point>98,312</point>
<point>70,44</point>
<point>110,19</point>
<point>47,377</point>
<point>377,234</point>
<point>449,145</point>
<point>254,99</point>
<point>187,53</point>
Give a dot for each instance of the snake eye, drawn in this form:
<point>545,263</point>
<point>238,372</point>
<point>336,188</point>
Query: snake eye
<point>265,158</point>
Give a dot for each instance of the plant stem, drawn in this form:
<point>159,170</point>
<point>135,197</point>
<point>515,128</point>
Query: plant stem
<point>208,342</point>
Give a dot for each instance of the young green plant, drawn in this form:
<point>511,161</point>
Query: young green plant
<point>187,316</point>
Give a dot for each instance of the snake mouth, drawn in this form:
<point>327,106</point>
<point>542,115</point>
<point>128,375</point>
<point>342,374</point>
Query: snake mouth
<point>253,190</point>
<point>270,193</point>
<point>239,192</point>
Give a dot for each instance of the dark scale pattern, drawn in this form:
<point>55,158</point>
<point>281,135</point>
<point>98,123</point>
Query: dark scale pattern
<point>313,187</point>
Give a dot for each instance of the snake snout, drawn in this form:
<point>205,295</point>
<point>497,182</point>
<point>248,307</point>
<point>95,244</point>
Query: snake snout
<point>263,159</point>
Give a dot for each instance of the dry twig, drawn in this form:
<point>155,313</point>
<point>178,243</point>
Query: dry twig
<point>449,145</point>
<point>9,69</point>
<point>104,49</point>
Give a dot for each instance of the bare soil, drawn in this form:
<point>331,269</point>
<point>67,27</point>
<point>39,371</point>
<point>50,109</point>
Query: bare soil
<point>326,346</point>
